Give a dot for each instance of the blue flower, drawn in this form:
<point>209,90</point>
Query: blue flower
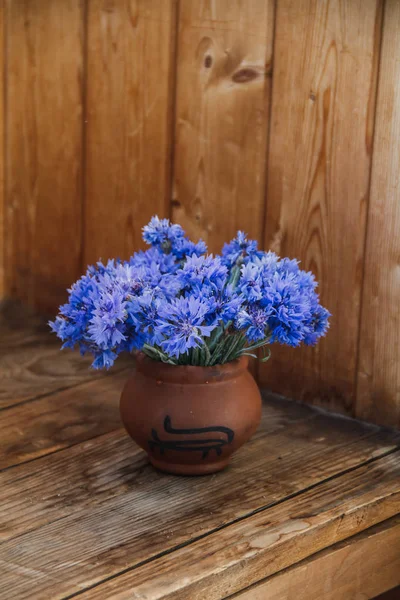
<point>182,324</point>
<point>267,262</point>
<point>66,331</point>
<point>100,269</point>
<point>104,360</point>
<point>106,327</point>
<point>183,247</point>
<point>165,262</point>
<point>160,232</point>
<point>254,321</point>
<point>291,296</point>
<point>318,326</point>
<point>287,265</point>
<point>239,250</point>
<point>143,314</point>
<point>250,282</point>
<point>173,295</point>
<point>203,271</point>
<point>224,306</point>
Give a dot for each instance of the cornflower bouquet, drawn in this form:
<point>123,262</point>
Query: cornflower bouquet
<point>180,305</point>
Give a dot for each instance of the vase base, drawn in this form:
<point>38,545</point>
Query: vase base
<point>188,469</point>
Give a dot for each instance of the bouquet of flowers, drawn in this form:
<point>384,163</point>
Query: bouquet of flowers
<point>182,306</point>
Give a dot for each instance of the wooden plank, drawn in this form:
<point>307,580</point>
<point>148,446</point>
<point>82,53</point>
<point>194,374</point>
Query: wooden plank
<point>60,420</point>
<point>31,364</point>
<point>97,470</point>
<point>361,567</point>
<point>237,555</point>
<point>223,95</point>
<point>157,513</point>
<point>378,394</point>
<point>129,111</point>
<point>2,158</point>
<point>43,149</point>
<point>325,65</point>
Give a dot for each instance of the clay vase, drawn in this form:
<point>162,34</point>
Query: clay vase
<point>190,419</point>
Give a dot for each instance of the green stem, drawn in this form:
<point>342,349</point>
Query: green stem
<point>217,351</point>
<point>234,276</point>
<point>262,342</point>
<point>196,357</point>
<point>156,353</point>
<point>236,348</point>
<point>215,338</point>
<point>207,356</point>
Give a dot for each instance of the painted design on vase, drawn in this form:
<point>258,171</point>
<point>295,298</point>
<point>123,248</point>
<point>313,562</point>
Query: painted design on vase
<point>195,444</point>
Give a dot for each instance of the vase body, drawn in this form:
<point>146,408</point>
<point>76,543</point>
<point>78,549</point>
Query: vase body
<point>190,419</point>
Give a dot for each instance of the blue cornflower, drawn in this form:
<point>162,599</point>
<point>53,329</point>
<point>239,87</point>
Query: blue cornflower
<point>127,279</point>
<point>183,247</point>
<point>288,265</point>
<point>201,271</point>
<point>104,360</point>
<point>106,327</point>
<point>224,306</point>
<point>239,250</point>
<point>181,322</point>
<point>290,336</point>
<point>306,281</point>
<point>66,331</point>
<point>143,312</point>
<point>82,295</point>
<point>172,296</point>
<point>254,322</point>
<point>71,324</point>
<point>99,269</point>
<point>160,232</point>
<point>267,262</point>
<point>250,282</point>
<point>292,306</point>
<point>318,326</point>
<point>166,262</point>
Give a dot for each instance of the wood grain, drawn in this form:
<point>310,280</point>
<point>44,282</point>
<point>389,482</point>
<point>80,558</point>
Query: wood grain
<point>128,122</point>
<point>360,567</point>
<point>108,466</point>
<point>60,420</point>
<point>237,555</point>
<point>31,364</point>
<point>157,513</point>
<point>3,70</point>
<point>378,394</point>
<point>324,86</point>
<point>222,110</point>
<point>43,149</point>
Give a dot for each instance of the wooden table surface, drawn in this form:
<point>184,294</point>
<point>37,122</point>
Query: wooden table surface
<point>308,508</point>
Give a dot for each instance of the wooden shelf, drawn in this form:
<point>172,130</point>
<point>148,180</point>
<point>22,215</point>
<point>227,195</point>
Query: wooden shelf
<point>309,504</point>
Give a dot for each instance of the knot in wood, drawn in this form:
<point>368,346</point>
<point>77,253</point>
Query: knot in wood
<point>244,75</point>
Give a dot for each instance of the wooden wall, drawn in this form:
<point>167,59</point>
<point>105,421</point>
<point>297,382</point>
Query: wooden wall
<point>279,117</point>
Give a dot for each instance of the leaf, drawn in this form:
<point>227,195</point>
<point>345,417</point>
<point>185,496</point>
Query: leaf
<point>207,355</point>
<point>234,276</point>
<point>215,337</point>
<point>267,357</point>
<point>259,344</point>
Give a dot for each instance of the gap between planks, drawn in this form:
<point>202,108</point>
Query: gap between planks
<point>60,420</point>
<point>362,566</point>
<point>121,505</point>
<point>281,438</point>
<point>243,552</point>
<point>97,451</point>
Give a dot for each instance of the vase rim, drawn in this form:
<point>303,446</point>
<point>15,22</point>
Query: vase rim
<point>187,374</point>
